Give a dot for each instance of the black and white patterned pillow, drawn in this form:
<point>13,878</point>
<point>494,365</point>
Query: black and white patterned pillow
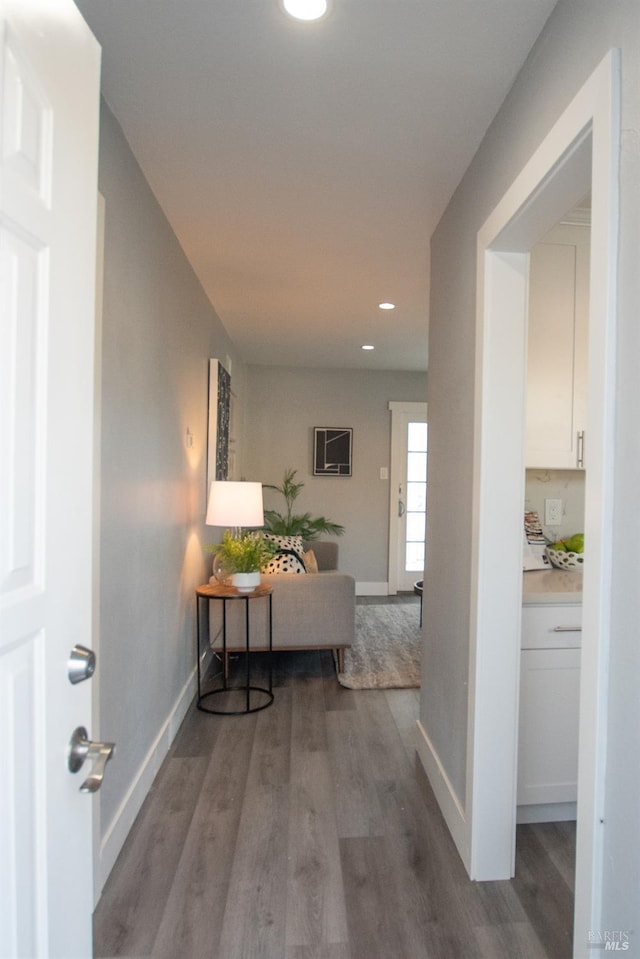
<point>289,558</point>
<point>286,542</point>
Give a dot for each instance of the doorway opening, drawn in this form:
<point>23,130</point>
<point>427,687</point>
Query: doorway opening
<point>407,495</point>
<point>556,461</point>
<point>578,155</point>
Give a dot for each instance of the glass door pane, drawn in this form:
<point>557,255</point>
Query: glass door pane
<point>416,497</point>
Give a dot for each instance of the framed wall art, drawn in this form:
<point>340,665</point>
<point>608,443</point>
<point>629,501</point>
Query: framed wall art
<point>219,423</point>
<point>332,449</point>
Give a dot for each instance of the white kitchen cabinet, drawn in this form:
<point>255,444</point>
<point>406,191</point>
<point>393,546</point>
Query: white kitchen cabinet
<point>548,736</point>
<point>557,349</point>
<point>552,625</point>
<point>549,705</point>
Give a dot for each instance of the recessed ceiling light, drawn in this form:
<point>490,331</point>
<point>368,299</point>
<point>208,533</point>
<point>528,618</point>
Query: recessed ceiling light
<point>387,306</point>
<point>305,9</point>
<point>368,346</point>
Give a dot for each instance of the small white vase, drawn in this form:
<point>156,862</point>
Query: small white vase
<point>246,582</point>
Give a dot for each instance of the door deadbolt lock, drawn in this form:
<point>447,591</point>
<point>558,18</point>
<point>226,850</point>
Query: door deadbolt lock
<point>81,748</point>
<point>81,664</point>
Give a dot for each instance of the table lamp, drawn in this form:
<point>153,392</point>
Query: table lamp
<point>235,505</point>
<point>240,556</point>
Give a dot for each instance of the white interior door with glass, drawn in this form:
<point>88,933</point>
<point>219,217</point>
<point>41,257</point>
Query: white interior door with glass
<point>408,495</point>
<point>50,69</point>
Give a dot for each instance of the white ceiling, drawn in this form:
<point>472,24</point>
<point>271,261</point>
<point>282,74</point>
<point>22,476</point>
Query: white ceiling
<point>304,166</point>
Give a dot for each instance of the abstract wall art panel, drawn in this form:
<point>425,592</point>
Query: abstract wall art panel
<point>332,448</point>
<point>219,422</point>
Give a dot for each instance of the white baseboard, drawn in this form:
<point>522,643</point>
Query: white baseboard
<point>547,812</point>
<point>372,589</point>
<point>115,835</point>
<point>448,801</point>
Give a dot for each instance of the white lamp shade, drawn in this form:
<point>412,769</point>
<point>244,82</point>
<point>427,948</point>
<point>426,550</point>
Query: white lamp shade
<point>235,504</point>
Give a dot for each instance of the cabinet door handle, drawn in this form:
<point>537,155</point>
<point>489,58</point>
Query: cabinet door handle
<point>567,629</point>
<point>580,450</point>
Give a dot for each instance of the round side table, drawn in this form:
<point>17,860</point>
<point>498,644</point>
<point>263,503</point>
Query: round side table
<point>228,594</point>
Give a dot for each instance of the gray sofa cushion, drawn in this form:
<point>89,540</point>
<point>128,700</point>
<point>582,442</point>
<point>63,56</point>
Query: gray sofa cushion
<point>326,553</point>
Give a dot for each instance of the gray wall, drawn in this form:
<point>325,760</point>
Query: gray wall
<point>283,406</point>
<point>577,36</point>
<point>158,332</point>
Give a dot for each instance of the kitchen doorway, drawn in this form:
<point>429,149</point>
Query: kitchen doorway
<point>556,460</point>
<point>579,154</point>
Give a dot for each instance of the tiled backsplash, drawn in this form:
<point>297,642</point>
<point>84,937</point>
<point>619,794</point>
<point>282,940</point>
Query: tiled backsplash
<point>567,485</point>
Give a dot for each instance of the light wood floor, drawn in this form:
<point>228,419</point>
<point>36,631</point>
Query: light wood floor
<point>309,831</point>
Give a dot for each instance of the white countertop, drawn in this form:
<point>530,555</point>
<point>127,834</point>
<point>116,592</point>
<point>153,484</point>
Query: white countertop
<point>551,586</point>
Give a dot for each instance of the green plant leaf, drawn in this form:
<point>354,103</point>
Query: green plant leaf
<point>244,554</point>
<point>292,524</point>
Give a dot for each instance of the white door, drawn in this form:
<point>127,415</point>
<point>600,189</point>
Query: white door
<point>408,495</point>
<point>49,65</point>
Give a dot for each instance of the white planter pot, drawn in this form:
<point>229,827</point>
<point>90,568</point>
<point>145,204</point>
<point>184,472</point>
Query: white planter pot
<point>246,582</point>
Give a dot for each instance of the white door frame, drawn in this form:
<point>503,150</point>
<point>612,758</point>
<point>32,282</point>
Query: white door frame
<point>397,409</point>
<point>581,150</point>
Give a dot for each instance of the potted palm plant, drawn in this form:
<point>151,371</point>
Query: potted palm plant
<point>296,524</point>
<point>241,558</point>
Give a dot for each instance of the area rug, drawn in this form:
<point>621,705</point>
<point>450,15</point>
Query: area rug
<point>386,650</point>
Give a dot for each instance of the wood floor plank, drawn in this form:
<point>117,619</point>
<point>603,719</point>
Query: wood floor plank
<point>357,807</point>
<point>559,842</point>
<point>380,737</point>
<point>417,860</point>
<point>404,705</point>
<point>332,950</point>
<point>425,872</point>
<point>512,940</point>
<point>197,735</point>
<point>545,896</point>
<point>448,942</point>
<point>493,902</point>
<point>254,922</point>
<point>478,902</point>
<point>192,918</point>
<point>316,915</point>
<point>315,900</point>
<point>301,664</point>
<point>370,909</point>
<point>271,755</point>
<point>381,920</point>
<point>134,898</point>
<point>335,695</point>
<point>308,731</point>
